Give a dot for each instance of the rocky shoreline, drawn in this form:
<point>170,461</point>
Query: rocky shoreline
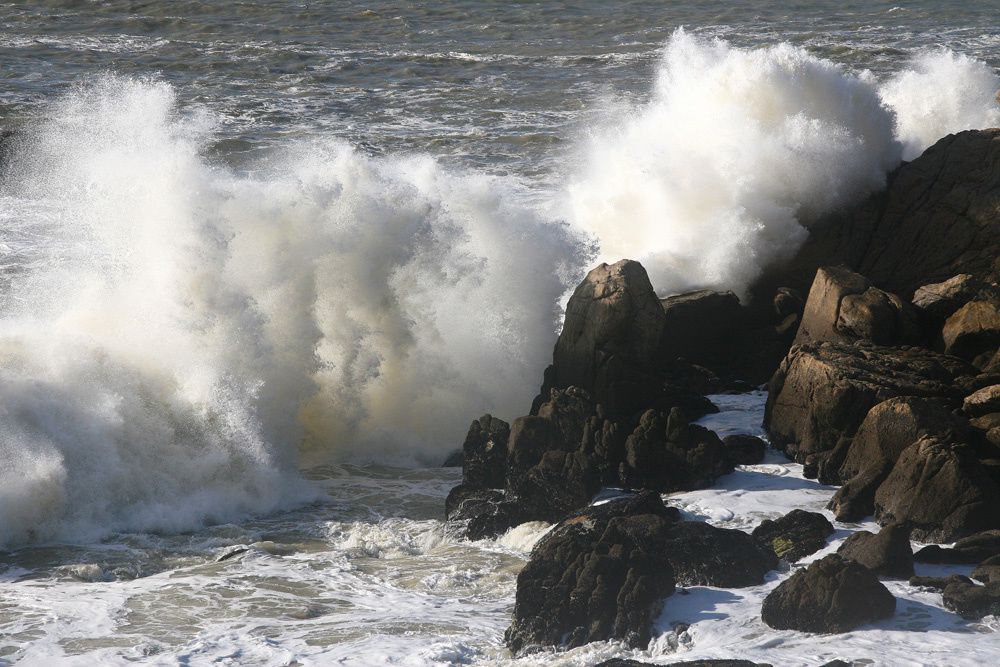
<point>879,344</point>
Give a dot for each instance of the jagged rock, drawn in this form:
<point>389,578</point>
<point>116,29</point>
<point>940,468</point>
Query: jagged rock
<point>940,490</point>
<point>600,574</point>
<point>972,330</point>
<point>968,550</point>
<point>887,553</point>
<point>745,450</point>
<point>988,571</point>
<point>983,402</point>
<point>937,583</point>
<point>795,535</point>
<point>822,393</point>
<point>703,555</point>
<point>485,453</point>
<point>486,512</point>
<point>941,300</point>
<point>833,594</point>
<point>666,454</point>
<point>970,601</point>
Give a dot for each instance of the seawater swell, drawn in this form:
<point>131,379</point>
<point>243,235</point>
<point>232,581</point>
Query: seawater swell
<point>178,338</point>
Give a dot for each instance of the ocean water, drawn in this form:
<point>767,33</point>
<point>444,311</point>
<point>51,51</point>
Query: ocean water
<point>261,263</point>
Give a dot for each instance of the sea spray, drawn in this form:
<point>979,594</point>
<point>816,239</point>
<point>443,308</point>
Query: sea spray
<point>939,93</point>
<point>176,333</point>
<point>715,177</point>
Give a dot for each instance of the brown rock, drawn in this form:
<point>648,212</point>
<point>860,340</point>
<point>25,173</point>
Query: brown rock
<point>983,402</point>
<point>972,330</point>
<point>887,553</point>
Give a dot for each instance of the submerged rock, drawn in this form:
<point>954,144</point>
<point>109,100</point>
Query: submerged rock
<point>795,535</point>
<point>833,594</point>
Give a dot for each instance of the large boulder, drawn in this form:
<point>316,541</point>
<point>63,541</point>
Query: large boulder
<point>822,392</point>
<point>833,594</point>
<point>988,571</point>
<point>795,535</point>
<point>970,601</point>
<point>600,574</point>
<point>887,553</point>
<point>844,307</point>
<point>940,490</point>
<point>703,555</point>
<point>665,453</point>
<point>611,339</point>
<point>699,326</point>
<point>974,329</point>
<point>745,450</point>
<point>983,401</point>
<point>941,300</point>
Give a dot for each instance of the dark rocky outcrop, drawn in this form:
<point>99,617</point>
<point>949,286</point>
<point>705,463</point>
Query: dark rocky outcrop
<point>833,594</point>
<point>968,550</point>
<point>599,574</point>
<point>941,300</point>
<point>940,491</point>
<point>456,459</point>
<point>972,330</point>
<point>822,393</point>
<point>887,553</point>
<point>983,401</point>
<point>795,535</point>
<point>485,453</point>
<point>745,450</point>
<point>623,662</point>
<point>704,555</point>
<point>665,454</point>
<point>971,601</point>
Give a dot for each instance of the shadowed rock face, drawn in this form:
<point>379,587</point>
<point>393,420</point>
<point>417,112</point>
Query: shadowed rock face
<point>823,392</point>
<point>795,535</point>
<point>831,595</point>
<point>937,218</point>
<point>887,553</point>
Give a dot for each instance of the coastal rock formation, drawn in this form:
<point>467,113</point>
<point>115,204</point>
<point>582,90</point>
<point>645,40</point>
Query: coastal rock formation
<point>795,535</point>
<point>942,300</point>
<point>485,453</point>
<point>887,553</point>
<point>974,329</point>
<point>988,571</point>
<point>968,550</point>
<point>831,595</point>
<point>940,490</point>
<point>599,574</point>
<point>745,450</point>
<point>971,601</point>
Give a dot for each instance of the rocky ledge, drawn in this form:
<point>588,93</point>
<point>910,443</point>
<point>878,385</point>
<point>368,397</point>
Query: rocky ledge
<point>884,379</point>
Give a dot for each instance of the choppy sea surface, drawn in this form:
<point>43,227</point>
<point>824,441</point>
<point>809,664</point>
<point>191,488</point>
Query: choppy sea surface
<point>261,263</point>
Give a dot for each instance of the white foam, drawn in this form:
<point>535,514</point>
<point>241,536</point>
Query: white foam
<point>939,93</point>
<point>177,332</point>
<point>737,151</point>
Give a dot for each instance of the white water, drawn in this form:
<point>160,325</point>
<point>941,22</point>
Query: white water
<point>738,151</point>
<point>370,577</point>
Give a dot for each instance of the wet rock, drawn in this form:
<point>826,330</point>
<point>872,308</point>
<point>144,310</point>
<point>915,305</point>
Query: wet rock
<point>600,574</point>
<point>484,512</point>
<point>703,555</point>
<point>988,571</point>
<point>622,662</point>
<point>966,551</point>
<point>795,535</point>
<point>856,498</point>
<point>819,319</point>
<point>941,300</point>
<point>822,393</point>
<point>887,553</point>
<point>788,301</point>
<point>983,402</point>
<point>745,450</point>
<point>665,453</point>
<point>971,601</point>
<point>936,583</point>
<point>972,330</point>
<point>699,327</point>
<point>833,594</point>
<point>940,490</point>
<point>485,453</point>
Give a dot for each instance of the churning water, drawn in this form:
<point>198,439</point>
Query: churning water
<point>239,241</point>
